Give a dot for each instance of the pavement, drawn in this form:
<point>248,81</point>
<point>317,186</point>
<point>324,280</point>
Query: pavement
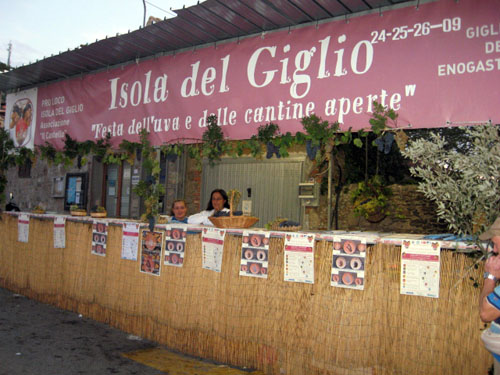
<point>36,338</point>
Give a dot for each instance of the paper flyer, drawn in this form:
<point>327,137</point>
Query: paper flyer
<point>212,242</point>
<point>348,263</point>
<point>130,240</point>
<point>99,238</point>
<point>23,227</point>
<point>420,264</point>
<point>175,243</point>
<point>254,254</point>
<point>299,257</point>
<point>151,248</point>
<point>59,232</point>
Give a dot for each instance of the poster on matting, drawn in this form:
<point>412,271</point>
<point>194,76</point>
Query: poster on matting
<point>420,265</point>
<point>59,232</point>
<point>348,263</point>
<point>151,245</point>
<point>212,242</point>
<point>254,253</point>
<point>99,238</point>
<point>130,240</point>
<point>175,243</point>
<point>299,257</point>
<point>23,227</point>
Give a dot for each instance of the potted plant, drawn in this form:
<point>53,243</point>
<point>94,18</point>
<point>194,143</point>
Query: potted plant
<point>76,210</point>
<point>38,209</point>
<point>371,199</point>
<point>100,211</point>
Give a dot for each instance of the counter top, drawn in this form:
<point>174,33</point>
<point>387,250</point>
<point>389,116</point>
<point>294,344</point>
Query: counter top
<point>447,240</point>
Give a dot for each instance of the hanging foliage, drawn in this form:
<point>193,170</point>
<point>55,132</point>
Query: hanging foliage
<point>213,145</point>
<point>150,189</point>
<point>7,160</point>
<point>319,133</point>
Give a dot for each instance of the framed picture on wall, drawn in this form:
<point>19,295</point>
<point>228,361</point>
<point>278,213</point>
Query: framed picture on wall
<point>58,187</point>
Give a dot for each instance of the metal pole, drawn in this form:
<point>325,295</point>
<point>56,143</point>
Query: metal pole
<point>8,56</point>
<point>329,208</point>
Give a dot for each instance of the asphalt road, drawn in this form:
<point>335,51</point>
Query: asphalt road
<point>40,339</point>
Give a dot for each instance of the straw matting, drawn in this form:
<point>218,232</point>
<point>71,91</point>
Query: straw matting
<point>269,324</point>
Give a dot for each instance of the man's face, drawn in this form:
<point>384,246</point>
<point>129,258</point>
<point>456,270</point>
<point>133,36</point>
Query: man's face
<point>496,244</point>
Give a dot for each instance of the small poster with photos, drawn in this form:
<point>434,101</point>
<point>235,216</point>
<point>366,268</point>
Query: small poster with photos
<point>151,245</point>
<point>175,244</point>
<point>348,263</point>
<point>212,243</point>
<point>254,254</point>
<point>299,257</point>
<point>99,237</point>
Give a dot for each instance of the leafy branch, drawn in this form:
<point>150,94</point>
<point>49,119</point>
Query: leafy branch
<point>463,183</point>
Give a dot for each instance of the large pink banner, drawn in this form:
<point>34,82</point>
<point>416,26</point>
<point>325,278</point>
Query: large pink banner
<point>436,65</point>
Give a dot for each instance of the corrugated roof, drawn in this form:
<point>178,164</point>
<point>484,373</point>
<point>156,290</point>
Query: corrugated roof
<point>208,22</point>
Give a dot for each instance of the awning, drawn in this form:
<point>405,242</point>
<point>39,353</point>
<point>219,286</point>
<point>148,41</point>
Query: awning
<point>212,21</point>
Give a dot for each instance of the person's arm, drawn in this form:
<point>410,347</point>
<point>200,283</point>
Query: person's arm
<point>489,299</point>
<point>201,218</point>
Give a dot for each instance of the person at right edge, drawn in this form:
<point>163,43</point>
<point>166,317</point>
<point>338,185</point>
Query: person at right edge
<point>489,299</point>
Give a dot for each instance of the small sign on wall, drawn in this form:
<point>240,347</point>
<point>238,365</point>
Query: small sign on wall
<point>58,187</point>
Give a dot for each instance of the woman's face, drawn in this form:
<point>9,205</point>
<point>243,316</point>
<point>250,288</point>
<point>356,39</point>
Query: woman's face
<point>179,210</point>
<point>218,201</point>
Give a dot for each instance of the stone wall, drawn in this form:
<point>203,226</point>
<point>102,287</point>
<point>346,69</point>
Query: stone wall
<point>37,190</point>
<point>192,187</point>
<point>418,214</point>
